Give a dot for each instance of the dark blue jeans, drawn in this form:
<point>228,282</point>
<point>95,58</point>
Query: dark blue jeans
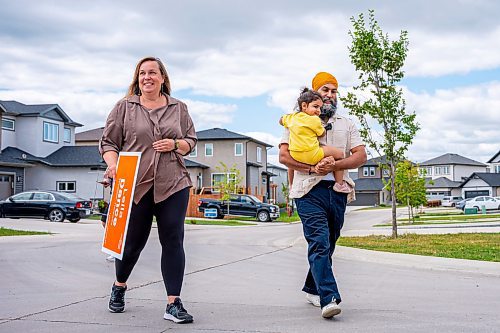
<point>322,213</point>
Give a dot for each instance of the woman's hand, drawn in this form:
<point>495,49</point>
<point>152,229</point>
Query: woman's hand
<point>164,145</point>
<point>110,172</point>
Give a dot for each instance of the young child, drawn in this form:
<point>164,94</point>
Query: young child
<point>305,128</point>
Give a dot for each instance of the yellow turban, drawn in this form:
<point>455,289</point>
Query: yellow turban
<point>323,78</point>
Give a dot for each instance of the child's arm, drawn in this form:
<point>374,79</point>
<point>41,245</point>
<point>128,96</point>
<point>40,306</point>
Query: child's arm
<point>281,121</point>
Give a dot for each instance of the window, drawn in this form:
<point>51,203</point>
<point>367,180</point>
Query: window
<point>238,149</point>
<point>66,186</point>
<point>259,154</point>
<point>22,196</point>
<point>385,172</point>
<point>209,149</point>
<point>425,171</point>
<point>194,152</point>
<point>50,132</point>
<point>9,124</point>
<point>43,197</point>
<point>67,134</point>
<point>369,171</point>
<point>221,177</point>
<point>497,168</point>
<point>441,170</point>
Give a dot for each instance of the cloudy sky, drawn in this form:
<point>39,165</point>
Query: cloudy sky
<point>239,65</point>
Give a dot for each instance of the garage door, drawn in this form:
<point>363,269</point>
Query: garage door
<point>6,186</point>
<point>473,194</point>
<point>366,199</point>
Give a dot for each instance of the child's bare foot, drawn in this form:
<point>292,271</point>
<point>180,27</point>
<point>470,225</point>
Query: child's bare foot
<point>342,187</point>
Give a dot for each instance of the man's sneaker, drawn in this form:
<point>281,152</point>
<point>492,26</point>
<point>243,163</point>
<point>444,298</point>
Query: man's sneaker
<point>176,313</point>
<point>110,258</point>
<point>313,299</point>
<point>331,309</point>
<point>117,299</point>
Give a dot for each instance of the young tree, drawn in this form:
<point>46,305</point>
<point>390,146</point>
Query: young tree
<point>229,183</point>
<point>410,187</point>
<point>379,63</point>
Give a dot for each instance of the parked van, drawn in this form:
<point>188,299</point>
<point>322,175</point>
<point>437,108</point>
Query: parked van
<point>450,201</point>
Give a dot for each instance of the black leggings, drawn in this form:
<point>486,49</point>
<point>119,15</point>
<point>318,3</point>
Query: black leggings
<point>170,215</point>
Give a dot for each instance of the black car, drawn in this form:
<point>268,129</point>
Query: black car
<point>52,205</point>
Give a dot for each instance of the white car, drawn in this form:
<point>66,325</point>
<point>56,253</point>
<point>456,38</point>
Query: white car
<point>479,202</point>
<point>450,201</point>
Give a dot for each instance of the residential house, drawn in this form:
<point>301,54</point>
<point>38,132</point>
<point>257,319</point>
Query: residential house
<point>246,154</point>
<point>481,183</point>
<point>494,163</point>
<point>369,187</point>
<point>447,172</point>
<point>279,177</point>
<point>38,152</point>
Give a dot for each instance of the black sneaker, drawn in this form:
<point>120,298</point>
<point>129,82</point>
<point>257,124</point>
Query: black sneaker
<point>117,299</point>
<point>176,313</point>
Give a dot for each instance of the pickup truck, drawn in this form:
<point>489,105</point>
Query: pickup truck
<point>243,205</point>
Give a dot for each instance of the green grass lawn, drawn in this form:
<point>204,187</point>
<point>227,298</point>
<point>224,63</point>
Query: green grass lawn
<point>475,246</point>
<point>12,232</point>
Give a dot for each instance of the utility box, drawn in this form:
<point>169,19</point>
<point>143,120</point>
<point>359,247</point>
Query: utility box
<point>469,211</point>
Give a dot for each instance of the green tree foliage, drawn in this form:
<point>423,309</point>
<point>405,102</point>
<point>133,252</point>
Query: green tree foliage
<point>229,183</point>
<point>410,187</point>
<point>377,100</point>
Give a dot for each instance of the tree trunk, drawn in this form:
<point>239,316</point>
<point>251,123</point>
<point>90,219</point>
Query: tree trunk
<point>393,198</point>
<point>409,211</point>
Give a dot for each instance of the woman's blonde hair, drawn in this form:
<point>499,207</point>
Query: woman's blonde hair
<point>133,89</point>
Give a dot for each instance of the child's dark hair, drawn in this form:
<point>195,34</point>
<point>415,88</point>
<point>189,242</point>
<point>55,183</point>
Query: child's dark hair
<point>307,95</point>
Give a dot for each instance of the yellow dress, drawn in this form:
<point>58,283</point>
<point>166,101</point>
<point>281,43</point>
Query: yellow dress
<point>304,131</point>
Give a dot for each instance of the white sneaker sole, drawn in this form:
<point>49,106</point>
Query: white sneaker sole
<point>330,312</point>
<point>168,316</point>
<point>113,311</point>
<point>313,302</point>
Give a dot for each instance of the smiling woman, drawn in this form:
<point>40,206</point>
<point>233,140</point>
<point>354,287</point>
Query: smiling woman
<point>148,120</point>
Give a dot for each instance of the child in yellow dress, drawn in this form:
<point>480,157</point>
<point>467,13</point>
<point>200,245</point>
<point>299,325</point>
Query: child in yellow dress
<point>305,127</point>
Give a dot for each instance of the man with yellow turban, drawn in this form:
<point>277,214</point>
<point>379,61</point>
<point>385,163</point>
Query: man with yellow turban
<point>320,208</point>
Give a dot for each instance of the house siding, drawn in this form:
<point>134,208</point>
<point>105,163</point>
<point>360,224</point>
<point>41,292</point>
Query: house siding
<point>461,172</point>
<point>44,178</point>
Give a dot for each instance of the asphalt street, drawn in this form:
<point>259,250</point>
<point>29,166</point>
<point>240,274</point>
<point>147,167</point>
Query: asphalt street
<point>238,279</point>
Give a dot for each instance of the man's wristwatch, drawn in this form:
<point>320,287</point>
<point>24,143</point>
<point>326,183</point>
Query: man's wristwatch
<point>176,145</point>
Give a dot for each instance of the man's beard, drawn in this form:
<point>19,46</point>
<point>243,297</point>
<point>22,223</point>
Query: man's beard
<point>328,109</point>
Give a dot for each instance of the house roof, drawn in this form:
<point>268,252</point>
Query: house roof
<point>24,110</point>
<point>369,184</point>
<point>449,159</point>
<point>224,134</point>
<point>441,182</point>
<point>74,156</point>
<point>376,161</point>
<point>15,157</point>
<point>90,135</point>
<point>494,157</point>
<point>492,179</point>
<point>193,164</point>
<point>273,166</point>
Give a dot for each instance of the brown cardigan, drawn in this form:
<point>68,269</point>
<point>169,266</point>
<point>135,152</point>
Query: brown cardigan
<point>131,127</point>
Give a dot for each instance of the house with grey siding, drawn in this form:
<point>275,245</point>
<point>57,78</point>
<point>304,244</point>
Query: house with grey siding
<point>370,188</point>
<point>38,152</point>
<point>481,183</point>
<point>246,154</point>
<point>494,163</point>
<point>279,177</point>
<point>447,172</point>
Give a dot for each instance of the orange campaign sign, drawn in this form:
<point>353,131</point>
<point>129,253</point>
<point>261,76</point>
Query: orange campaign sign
<point>121,204</point>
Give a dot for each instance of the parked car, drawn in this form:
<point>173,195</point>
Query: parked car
<point>241,204</point>
<point>450,201</point>
<point>51,205</point>
<point>461,204</point>
<point>486,201</point>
